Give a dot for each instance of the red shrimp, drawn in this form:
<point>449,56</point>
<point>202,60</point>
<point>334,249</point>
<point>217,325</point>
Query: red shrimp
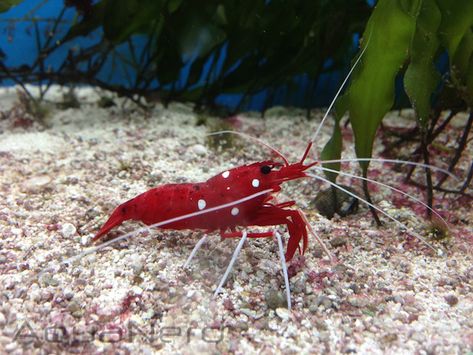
<point>165,205</point>
<point>169,201</point>
<point>241,197</point>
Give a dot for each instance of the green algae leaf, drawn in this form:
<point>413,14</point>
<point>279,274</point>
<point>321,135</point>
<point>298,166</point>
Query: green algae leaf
<point>462,71</point>
<point>371,94</point>
<point>119,18</point>
<point>457,19</point>
<point>124,18</point>
<point>173,5</point>
<point>5,5</point>
<point>421,77</point>
<point>469,83</point>
<point>333,148</point>
<point>89,23</point>
<point>333,151</point>
<point>456,34</point>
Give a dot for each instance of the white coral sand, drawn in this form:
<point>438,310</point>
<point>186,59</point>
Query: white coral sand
<point>60,179</point>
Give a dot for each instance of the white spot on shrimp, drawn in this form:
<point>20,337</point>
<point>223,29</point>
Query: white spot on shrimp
<point>228,188</point>
<point>235,211</point>
<point>201,204</point>
<point>255,183</point>
<point>225,174</point>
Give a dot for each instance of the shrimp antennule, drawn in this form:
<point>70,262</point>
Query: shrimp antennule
<point>394,161</point>
<point>387,186</point>
<point>409,230</point>
<point>339,91</point>
<point>257,140</point>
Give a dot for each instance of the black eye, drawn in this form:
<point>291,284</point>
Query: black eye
<point>265,169</point>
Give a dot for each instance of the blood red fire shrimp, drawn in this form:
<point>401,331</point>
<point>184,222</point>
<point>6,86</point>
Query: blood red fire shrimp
<point>165,203</point>
<point>172,200</point>
<point>239,197</point>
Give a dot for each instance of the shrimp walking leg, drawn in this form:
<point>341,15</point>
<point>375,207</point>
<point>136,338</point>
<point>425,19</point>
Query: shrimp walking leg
<point>232,261</point>
<point>315,235</point>
<point>223,235</point>
<point>284,268</point>
<point>245,235</point>
<point>194,251</point>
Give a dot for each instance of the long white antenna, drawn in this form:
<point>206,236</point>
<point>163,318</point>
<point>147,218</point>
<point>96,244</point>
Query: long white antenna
<point>409,230</point>
<point>338,92</point>
<point>394,161</point>
<point>315,235</point>
<point>354,176</point>
<point>251,138</point>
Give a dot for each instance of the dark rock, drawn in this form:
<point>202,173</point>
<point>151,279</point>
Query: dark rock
<point>338,242</point>
<point>274,299</point>
<point>452,300</point>
<point>331,201</point>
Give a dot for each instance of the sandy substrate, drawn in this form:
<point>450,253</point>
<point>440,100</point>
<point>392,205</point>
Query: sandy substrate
<point>60,179</point>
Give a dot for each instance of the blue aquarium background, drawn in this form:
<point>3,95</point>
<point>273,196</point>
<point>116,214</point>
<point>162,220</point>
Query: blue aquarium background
<point>30,22</point>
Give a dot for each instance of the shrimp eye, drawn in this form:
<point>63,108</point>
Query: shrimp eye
<point>265,169</point>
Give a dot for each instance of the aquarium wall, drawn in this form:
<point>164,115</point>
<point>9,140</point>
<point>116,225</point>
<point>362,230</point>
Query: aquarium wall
<point>242,55</point>
<point>233,56</point>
